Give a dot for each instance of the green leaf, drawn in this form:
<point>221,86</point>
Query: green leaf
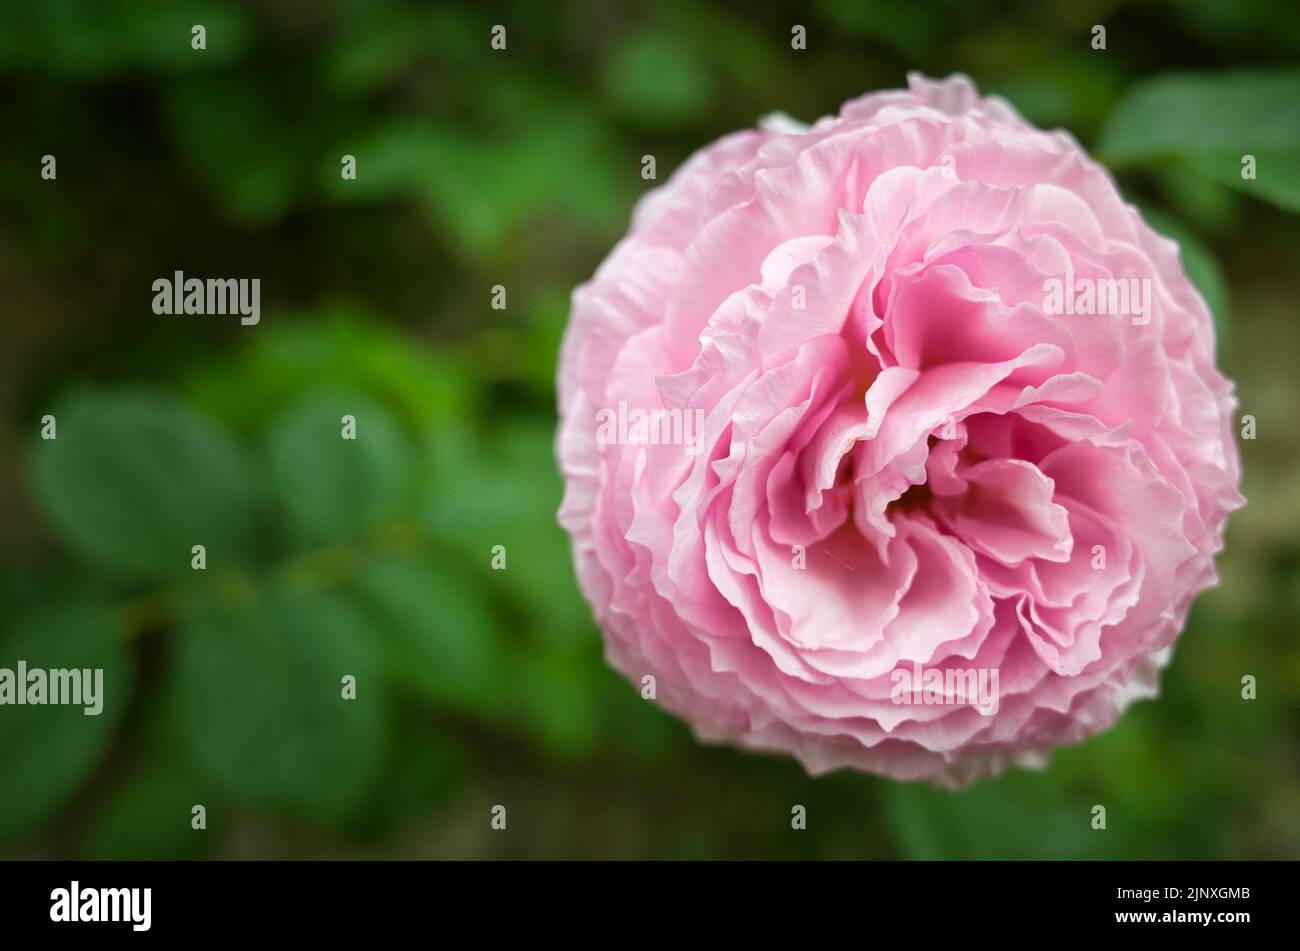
<point>160,37</point>
<point>148,816</point>
<point>481,191</point>
<point>427,765</point>
<point>336,345</point>
<point>331,488</point>
<point>657,81</point>
<point>135,480</point>
<point>559,695</point>
<point>435,634</point>
<point>1209,122</point>
<point>911,29</point>
<point>1208,206</point>
<point>501,487</point>
<point>80,39</point>
<point>259,698</point>
<point>48,751</point>
<point>249,149</point>
<point>1014,817</point>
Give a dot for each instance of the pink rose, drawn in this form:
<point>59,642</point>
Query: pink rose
<point>894,443</point>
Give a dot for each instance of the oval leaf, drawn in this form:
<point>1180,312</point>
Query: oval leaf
<point>47,751</point>
<point>333,488</point>
<point>434,633</point>
<point>260,701</point>
<point>1211,122</point>
<point>135,480</point>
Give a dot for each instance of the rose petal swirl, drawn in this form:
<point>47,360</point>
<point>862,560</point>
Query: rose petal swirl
<point>904,459</point>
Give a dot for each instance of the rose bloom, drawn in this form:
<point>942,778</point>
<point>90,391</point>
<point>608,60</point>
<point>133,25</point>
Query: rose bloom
<point>858,413</point>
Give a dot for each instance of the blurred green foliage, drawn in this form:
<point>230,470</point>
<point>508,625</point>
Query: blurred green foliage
<point>1209,123</point>
<point>374,558</point>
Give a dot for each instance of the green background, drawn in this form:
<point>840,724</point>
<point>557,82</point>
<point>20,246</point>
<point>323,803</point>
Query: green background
<point>520,167</point>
